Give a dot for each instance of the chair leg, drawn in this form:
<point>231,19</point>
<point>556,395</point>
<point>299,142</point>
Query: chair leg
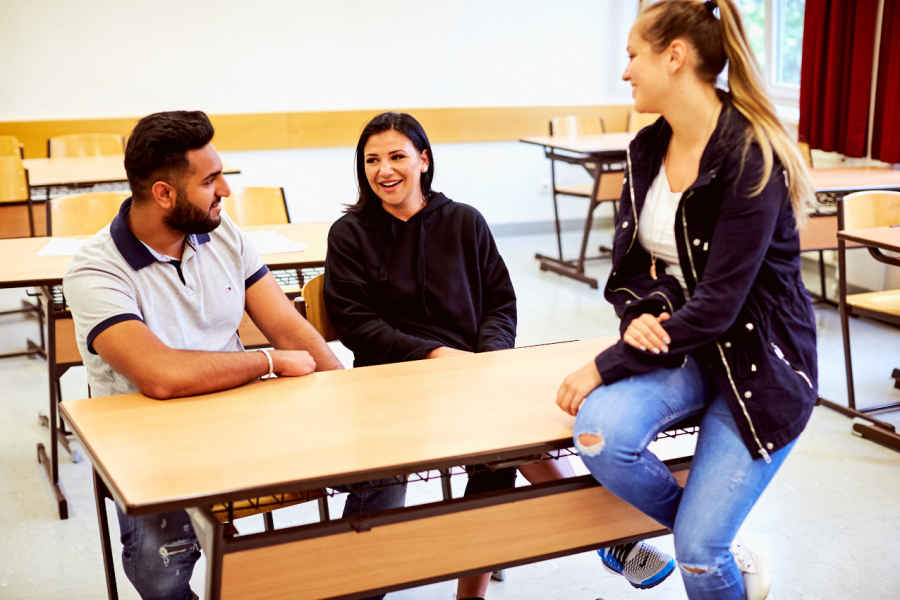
<point>269,521</point>
<point>845,321</point>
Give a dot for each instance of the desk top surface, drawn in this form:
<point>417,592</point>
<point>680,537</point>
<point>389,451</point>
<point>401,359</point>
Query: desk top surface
<point>584,144</point>
<point>851,179</point>
<point>20,266</point>
<point>328,428</point>
<point>72,170</point>
<point>884,238</point>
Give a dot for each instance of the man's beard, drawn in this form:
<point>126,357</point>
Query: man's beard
<point>188,218</point>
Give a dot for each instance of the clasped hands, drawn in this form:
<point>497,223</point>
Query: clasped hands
<point>644,333</point>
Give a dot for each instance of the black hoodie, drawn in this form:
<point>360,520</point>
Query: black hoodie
<point>396,290</point>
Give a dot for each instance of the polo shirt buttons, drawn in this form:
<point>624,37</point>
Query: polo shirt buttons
<point>749,326</point>
<point>625,225</point>
<point>753,368</point>
<point>697,242</point>
<point>770,445</point>
<point>728,344</point>
<point>748,394</point>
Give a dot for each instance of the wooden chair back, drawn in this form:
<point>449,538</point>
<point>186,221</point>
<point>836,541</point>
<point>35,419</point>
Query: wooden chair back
<point>249,206</point>
<point>17,214</point>
<point>571,126</point>
<point>864,210</point>
<point>314,296</point>
<point>637,121</point>
<point>10,146</point>
<point>85,144</point>
<point>806,153</point>
<point>84,214</point>
<point>13,180</point>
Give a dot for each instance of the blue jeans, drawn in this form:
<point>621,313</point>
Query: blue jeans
<point>724,483</point>
<point>159,551</point>
<point>374,496</point>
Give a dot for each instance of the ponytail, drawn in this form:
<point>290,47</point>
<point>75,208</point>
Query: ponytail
<point>720,39</point>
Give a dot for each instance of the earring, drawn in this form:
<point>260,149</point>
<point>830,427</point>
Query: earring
<point>424,168</point>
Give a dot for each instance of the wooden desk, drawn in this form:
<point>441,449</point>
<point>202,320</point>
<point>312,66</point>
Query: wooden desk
<point>72,171</point>
<point>340,427</point>
<point>855,179</point>
<point>600,155</point>
<point>81,170</point>
<point>20,266</point>
<point>820,233</point>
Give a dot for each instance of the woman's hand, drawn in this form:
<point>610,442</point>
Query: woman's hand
<point>647,333</point>
<point>576,386</point>
<point>445,351</point>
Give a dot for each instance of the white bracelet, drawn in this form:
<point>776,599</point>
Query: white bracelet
<point>271,366</point>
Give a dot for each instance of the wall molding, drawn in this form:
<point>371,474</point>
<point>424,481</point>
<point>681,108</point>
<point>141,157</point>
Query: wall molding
<point>273,131</point>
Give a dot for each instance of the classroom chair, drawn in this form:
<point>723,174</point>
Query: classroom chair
<point>314,299</point>
<point>85,144</point>
<point>249,206</point>
<point>17,218</point>
<point>83,214</point>
<point>864,210</point>
<point>637,121</point>
<point>610,186</point>
<point>10,146</point>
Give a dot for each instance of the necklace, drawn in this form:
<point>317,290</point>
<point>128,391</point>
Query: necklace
<point>667,189</point>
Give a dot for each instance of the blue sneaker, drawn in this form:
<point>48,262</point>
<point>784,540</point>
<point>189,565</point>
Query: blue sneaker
<point>642,565</point>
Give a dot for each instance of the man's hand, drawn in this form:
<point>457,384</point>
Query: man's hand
<point>292,363</point>
<point>576,386</point>
<point>647,333</point>
<point>445,351</point>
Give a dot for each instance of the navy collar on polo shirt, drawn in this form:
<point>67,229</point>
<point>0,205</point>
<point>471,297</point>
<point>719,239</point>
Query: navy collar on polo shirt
<point>131,248</point>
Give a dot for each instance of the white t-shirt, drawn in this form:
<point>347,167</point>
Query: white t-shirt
<point>656,227</point>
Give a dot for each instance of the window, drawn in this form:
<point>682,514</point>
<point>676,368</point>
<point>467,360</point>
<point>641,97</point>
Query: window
<point>775,32</point>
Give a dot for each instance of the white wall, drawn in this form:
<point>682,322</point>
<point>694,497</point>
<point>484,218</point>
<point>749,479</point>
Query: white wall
<point>106,58</point>
<point>502,179</point>
<point>110,58</point>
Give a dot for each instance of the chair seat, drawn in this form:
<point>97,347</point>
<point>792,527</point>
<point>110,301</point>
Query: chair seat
<point>886,302</point>
<point>264,504</point>
<point>610,188</point>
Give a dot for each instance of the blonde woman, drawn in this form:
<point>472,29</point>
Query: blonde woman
<point>706,279</point>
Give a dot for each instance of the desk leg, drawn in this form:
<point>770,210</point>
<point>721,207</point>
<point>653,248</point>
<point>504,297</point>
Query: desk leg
<point>211,534</point>
<point>101,494</point>
<point>51,463</point>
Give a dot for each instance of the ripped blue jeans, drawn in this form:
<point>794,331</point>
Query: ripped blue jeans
<point>724,483</point>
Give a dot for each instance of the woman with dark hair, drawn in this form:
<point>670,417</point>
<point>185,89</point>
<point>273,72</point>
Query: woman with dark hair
<point>706,278</point>
<point>410,275</point>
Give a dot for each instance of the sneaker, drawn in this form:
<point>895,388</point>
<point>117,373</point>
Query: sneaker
<point>757,580</point>
<point>643,565</point>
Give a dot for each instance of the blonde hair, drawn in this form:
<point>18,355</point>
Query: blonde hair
<point>717,40</point>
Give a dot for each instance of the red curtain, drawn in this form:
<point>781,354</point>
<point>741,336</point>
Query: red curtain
<point>886,131</point>
<point>836,74</point>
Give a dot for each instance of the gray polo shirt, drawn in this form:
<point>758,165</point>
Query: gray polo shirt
<point>115,277</point>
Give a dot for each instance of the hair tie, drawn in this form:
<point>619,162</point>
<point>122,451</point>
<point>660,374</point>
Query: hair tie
<point>711,6</point>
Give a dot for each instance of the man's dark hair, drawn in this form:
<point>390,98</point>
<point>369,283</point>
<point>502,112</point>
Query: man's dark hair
<point>402,123</point>
<point>157,148</point>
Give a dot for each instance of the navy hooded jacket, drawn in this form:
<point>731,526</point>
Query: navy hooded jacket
<point>396,290</point>
<point>749,320</point>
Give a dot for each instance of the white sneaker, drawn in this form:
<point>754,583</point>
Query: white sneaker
<point>757,580</point>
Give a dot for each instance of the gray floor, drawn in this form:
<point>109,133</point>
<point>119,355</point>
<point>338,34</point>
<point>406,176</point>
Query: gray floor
<point>827,525</point>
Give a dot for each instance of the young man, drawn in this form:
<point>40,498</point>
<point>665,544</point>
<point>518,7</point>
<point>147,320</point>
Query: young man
<point>157,299</point>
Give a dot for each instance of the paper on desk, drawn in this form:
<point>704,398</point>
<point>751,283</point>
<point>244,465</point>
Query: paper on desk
<point>272,242</point>
<point>61,247</point>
